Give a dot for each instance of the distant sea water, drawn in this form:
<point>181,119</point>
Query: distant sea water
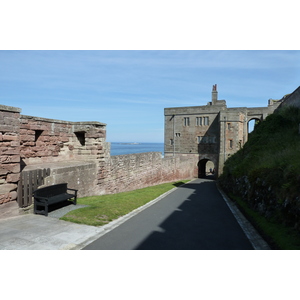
<point>130,148</point>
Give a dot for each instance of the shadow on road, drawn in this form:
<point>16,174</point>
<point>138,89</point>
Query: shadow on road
<point>202,222</point>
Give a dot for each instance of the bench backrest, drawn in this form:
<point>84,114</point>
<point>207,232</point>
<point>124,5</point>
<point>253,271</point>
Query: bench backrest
<point>51,190</point>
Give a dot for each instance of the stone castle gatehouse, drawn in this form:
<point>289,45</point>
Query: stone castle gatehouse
<point>209,134</point>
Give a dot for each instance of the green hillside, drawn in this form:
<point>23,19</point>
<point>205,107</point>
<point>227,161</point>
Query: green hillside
<point>264,176</point>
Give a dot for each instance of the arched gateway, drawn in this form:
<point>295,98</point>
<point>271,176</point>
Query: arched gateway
<point>206,168</point>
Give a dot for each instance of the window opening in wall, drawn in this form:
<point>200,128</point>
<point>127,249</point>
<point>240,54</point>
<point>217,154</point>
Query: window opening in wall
<point>240,144</point>
<point>186,121</point>
<point>198,121</point>
<point>228,126</point>
<point>171,142</point>
<point>230,144</point>
<point>199,139</point>
<point>37,134</point>
<point>177,134</point>
<point>205,121</point>
<point>81,137</point>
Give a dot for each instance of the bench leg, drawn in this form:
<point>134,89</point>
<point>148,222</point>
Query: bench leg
<point>46,210</point>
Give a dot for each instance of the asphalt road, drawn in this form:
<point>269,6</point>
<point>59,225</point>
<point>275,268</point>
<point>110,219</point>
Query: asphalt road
<point>193,217</point>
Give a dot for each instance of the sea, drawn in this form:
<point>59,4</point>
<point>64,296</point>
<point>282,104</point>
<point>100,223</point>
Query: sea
<point>130,148</point>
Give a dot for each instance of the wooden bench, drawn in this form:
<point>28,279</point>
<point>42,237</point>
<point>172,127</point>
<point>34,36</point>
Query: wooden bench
<point>52,194</point>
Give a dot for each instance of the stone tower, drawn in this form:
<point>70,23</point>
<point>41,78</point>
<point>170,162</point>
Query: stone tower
<point>214,96</point>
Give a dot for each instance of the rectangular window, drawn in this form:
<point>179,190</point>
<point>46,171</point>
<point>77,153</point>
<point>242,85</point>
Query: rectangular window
<point>230,144</point>
<point>228,126</point>
<point>205,121</point>
<point>177,134</point>
<point>199,139</point>
<point>198,121</point>
<point>186,121</point>
<point>171,142</point>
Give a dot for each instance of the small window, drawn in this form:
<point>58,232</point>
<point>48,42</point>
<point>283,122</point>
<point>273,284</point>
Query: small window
<point>228,126</point>
<point>186,121</point>
<point>177,134</point>
<point>205,121</point>
<point>199,139</point>
<point>81,137</point>
<point>38,133</point>
<point>171,142</point>
<point>198,121</point>
<point>230,144</point>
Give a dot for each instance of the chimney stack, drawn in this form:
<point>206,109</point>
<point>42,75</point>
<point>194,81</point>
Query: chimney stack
<point>214,95</point>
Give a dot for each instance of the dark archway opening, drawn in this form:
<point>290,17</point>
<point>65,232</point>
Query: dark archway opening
<point>206,169</point>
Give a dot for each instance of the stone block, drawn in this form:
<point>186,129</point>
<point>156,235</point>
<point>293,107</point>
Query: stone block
<point>27,138</point>
<point>15,143</point>
<point>9,168</point>
<point>13,195</point>
<point>9,159</point>
<point>13,178</point>
<point>6,128</point>
<point>3,171</point>
<point>8,187</point>
<point>10,137</point>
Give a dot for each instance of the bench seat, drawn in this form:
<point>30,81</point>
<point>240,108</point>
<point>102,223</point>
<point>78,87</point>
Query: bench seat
<point>51,195</point>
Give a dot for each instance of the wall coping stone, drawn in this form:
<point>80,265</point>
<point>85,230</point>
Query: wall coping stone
<point>10,108</point>
<point>61,121</point>
<point>57,165</point>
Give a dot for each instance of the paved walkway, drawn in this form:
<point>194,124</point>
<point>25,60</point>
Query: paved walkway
<point>194,216</point>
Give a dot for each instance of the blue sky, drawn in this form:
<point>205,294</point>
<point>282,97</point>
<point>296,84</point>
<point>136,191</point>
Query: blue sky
<point>128,90</point>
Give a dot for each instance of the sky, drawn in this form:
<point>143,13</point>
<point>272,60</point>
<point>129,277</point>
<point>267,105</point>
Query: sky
<point>129,89</point>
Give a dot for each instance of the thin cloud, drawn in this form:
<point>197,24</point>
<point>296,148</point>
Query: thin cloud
<point>133,87</point>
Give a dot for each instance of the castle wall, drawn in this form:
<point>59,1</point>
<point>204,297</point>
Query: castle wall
<point>135,171</point>
<point>47,140</point>
<point>76,153</point>
<point>291,99</point>
<point>9,153</point>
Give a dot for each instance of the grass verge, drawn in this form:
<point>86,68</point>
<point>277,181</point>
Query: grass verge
<point>106,208</point>
<point>277,235</point>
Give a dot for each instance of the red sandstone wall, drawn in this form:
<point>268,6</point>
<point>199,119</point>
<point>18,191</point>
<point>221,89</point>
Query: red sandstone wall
<point>33,142</point>
<point>46,140</point>
<point>9,153</point>
<point>135,171</point>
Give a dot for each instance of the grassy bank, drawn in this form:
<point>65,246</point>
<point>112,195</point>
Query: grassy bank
<point>103,209</point>
<point>278,236</point>
<point>264,177</point>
